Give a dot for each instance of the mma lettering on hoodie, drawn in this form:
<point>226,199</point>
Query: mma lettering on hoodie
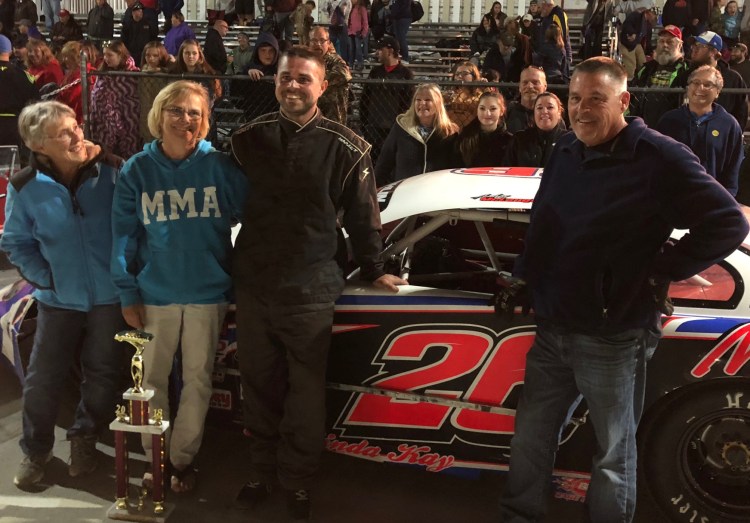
<point>179,205</point>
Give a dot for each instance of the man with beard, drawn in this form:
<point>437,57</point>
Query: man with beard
<point>334,102</point>
<point>520,114</point>
<point>310,177</point>
<point>707,51</point>
<point>738,62</point>
<point>668,69</point>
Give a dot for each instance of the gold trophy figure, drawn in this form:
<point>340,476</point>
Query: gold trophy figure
<point>135,418</point>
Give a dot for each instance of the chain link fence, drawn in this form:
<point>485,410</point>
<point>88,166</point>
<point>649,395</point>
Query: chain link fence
<point>236,100</point>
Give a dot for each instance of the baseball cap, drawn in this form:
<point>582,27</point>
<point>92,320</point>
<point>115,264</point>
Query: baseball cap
<point>671,30</point>
<point>535,2</point>
<point>136,6</point>
<point>742,47</point>
<point>5,46</point>
<point>710,38</point>
<point>63,12</point>
<point>390,43</point>
<point>527,17</point>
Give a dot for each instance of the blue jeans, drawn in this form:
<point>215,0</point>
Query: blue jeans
<point>286,25</point>
<point>59,333</point>
<point>50,8</point>
<point>340,40</point>
<point>561,369</point>
<point>360,49</point>
<point>400,30</point>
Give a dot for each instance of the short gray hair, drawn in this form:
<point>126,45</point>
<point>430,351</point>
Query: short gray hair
<point>718,79</point>
<point>34,119</point>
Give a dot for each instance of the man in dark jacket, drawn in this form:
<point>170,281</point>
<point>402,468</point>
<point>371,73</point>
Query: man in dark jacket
<point>64,31</point>
<point>703,125</point>
<point>26,10</point>
<point>739,62</point>
<point>707,51</point>
<point>101,21</point>
<point>310,176</point>
<point>138,32</point>
<point>520,114</point>
<point>505,58</point>
<point>19,90</point>
<point>597,265</point>
<point>381,103</point>
<point>667,69</point>
<point>213,47</point>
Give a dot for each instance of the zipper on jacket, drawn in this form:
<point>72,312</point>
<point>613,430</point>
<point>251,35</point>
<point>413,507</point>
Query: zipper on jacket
<point>81,238</point>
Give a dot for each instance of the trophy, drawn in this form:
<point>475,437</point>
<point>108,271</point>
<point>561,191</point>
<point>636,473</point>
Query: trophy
<point>133,416</point>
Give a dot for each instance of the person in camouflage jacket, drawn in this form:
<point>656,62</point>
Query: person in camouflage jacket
<point>335,100</point>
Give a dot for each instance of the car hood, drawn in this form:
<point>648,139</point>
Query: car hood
<point>470,188</point>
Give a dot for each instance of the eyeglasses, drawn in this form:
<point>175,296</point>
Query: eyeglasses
<point>705,85</point>
<point>464,73</point>
<point>68,135</point>
<point>318,41</point>
<point>178,112</point>
<point>701,46</point>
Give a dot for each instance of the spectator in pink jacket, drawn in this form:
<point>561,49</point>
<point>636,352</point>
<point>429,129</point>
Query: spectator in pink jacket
<point>359,30</point>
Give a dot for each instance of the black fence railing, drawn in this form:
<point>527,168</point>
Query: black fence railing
<point>372,109</point>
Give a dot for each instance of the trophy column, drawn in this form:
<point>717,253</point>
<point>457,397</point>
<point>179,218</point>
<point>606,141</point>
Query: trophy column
<point>133,416</point>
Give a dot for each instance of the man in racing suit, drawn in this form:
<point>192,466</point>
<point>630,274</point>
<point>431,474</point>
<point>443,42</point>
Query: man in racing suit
<point>308,177</point>
<point>598,264</point>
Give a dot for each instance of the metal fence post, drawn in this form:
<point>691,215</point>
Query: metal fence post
<point>85,94</point>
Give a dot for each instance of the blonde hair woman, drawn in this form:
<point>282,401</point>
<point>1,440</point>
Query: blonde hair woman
<point>416,142</point>
<point>173,209</point>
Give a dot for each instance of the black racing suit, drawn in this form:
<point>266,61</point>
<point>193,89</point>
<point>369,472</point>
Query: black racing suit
<point>305,182</point>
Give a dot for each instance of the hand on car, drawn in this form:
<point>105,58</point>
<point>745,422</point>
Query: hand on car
<point>660,292</point>
<point>134,315</point>
<point>513,292</point>
<point>389,282</point>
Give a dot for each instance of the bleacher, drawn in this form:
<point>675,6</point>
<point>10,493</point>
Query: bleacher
<point>427,61</point>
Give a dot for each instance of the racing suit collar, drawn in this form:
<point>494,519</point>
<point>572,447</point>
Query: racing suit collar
<point>290,126</point>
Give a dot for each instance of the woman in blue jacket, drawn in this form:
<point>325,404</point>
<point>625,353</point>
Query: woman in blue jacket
<point>173,210</point>
<point>58,235</point>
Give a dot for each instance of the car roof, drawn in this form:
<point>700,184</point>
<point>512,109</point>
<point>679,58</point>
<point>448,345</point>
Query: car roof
<point>492,188</point>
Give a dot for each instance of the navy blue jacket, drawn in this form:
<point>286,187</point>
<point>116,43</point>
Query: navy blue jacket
<point>600,224</point>
<point>716,141</point>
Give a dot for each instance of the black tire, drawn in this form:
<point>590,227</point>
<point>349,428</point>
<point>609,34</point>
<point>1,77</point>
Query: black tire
<point>694,453</point>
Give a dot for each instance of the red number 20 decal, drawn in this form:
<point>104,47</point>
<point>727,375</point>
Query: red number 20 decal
<point>465,351</point>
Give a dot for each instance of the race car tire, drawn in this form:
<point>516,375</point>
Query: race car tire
<point>694,453</point>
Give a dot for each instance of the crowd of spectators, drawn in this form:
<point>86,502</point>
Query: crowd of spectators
<point>532,50</point>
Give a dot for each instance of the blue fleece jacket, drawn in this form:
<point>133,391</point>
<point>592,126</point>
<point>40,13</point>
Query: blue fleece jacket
<point>716,140</point>
<point>171,224</point>
<point>600,223</point>
<point>59,238</point>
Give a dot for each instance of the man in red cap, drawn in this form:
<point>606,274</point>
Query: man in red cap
<point>667,69</point>
<point>64,31</point>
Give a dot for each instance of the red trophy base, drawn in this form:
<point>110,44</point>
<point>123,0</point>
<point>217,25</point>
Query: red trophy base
<point>136,419</point>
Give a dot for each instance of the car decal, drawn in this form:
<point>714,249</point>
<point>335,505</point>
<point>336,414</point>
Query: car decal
<point>501,171</point>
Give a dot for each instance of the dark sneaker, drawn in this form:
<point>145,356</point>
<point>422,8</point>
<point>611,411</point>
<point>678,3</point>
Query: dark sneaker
<point>298,502</point>
<point>253,493</point>
<point>82,455</point>
<point>31,470</point>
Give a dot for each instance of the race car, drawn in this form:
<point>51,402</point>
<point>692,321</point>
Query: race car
<point>431,376</point>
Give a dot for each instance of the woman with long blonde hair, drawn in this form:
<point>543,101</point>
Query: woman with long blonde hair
<point>416,142</point>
